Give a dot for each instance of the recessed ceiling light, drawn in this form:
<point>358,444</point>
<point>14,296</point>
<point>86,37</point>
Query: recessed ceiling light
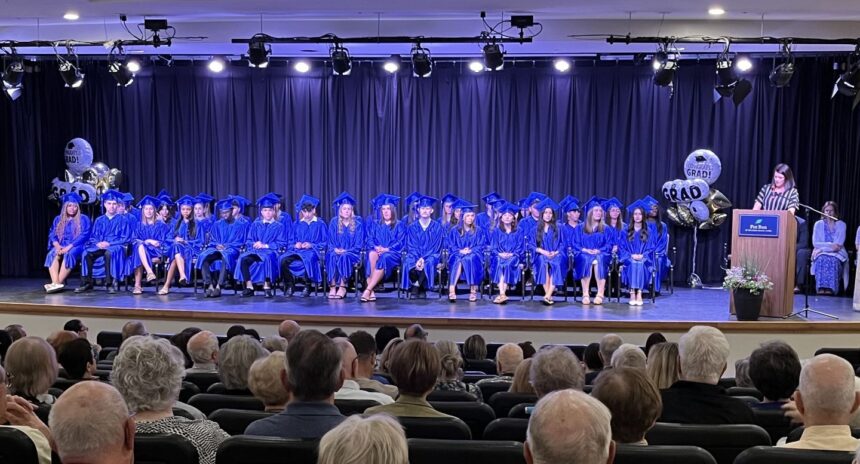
<point>71,16</point>
<point>716,11</point>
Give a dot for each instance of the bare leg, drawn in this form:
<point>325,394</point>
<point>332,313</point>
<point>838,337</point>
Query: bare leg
<point>54,270</point>
<point>548,287</point>
<point>452,289</point>
<point>141,251</point>
<point>138,275</point>
<point>503,286</point>
<point>170,273</point>
<point>375,277</point>
<point>179,263</point>
<point>64,273</point>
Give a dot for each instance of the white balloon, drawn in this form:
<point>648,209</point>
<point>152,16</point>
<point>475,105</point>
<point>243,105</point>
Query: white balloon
<point>698,189</point>
<point>667,189</point>
<point>678,192</point>
<point>78,155</point>
<point>703,164</point>
<point>700,210</point>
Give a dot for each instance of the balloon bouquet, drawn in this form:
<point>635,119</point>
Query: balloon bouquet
<point>89,179</point>
<point>696,203</point>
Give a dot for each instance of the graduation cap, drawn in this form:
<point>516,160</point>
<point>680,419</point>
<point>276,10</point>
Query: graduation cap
<point>650,202</point>
<point>413,198</point>
<point>127,198</point>
<point>164,193</point>
<point>523,203</point>
<point>267,201</point>
<point>548,203</point>
<point>277,196</point>
<point>535,197</point>
<point>570,203</point>
<point>148,200</point>
<point>240,201</point>
<point>594,202</point>
<point>72,197</point>
<point>637,204</point>
<point>465,206</point>
<point>225,204</point>
<point>385,199</point>
<point>186,200</point>
<point>449,198</point>
<point>427,202</point>
<point>112,195</point>
<point>612,202</point>
<point>491,198</point>
<point>344,197</point>
<point>203,198</point>
<point>508,207</point>
<point>307,200</point>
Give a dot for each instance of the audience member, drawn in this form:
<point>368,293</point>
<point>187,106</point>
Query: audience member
<point>415,367</point>
<point>653,339</point>
<point>633,400</point>
<point>59,338</point>
<point>77,326</point>
<point>555,368</point>
<point>148,373</point>
<point>591,358</point>
<point>350,390</point>
<point>528,349</point>
<point>234,362</point>
<point>521,383</point>
<point>568,426</point>
<point>825,400</point>
<point>385,358</point>
<point>5,342</point>
<point>337,332</point>
<point>16,331</point>
<point>664,364</point>
<point>608,344</point>
<point>289,329</point>
<point>475,347</point>
<point>774,368</point>
<point>90,423</point>
<point>313,374</point>
<point>180,340</point>
<point>132,328</point>
<point>31,369</point>
<point>253,334</point>
<point>508,357</point>
<point>384,335</point>
<point>377,439</point>
<point>275,343</point>
<point>628,355</point>
<point>415,331</point>
<point>266,380</point>
<point>365,349</point>
<point>235,330</point>
<point>696,398</point>
<point>451,374</point>
<point>76,357</point>
<point>742,373</point>
<point>17,412</point>
<point>203,351</point>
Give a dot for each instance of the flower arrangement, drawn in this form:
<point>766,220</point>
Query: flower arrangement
<point>749,277</point>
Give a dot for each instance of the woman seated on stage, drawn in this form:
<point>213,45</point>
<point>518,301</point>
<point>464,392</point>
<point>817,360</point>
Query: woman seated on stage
<point>507,245</point>
<point>222,249</point>
<point>69,233</point>
<point>488,220</point>
<point>466,244</point>
<point>259,262</point>
<point>411,204</point>
<point>345,241</point>
<point>447,218</point>
<point>240,203</point>
<point>164,208</point>
<point>660,231</point>
<point>635,252</point>
<point>384,239</point>
<point>614,222</point>
<point>592,246</point>
<point>148,242</point>
<point>424,240</point>
<point>781,193</point>
<point>549,256</point>
<point>530,222</point>
<point>829,256</point>
<point>202,215</point>
<point>308,240</point>
<point>184,242</point>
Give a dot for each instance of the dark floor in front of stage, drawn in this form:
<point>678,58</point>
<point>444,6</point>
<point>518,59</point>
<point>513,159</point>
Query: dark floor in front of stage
<point>705,305</point>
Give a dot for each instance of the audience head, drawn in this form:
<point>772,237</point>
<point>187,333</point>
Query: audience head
<point>528,349</point>
<point>826,394</point>
<point>275,343</point>
<point>664,364</point>
<point>76,357</point>
<point>376,439</point>
<point>90,423</point>
<point>415,331</point>
<point>450,359</point>
<point>365,349</point>
<point>386,356</point>
<point>289,329</point>
<point>235,330</point>
<point>16,331</point>
<point>569,426</point>
<point>337,332</point>
<point>348,357</point>
<point>5,341</point>
<point>415,367</point>
<point>384,335</point>
<point>633,400</point>
<point>555,368</point>
<point>608,344</point>
<point>59,338</point>
<point>508,357</point>
<point>314,370</point>
<point>475,347</point>
<point>148,373</point>
<point>774,368</point>
<point>203,348</point>
<point>628,355</point>
<point>31,367</point>
<point>521,384</point>
<point>180,340</point>
<point>235,359</point>
<point>266,380</point>
<point>704,351</point>
<point>591,357</point>
<point>253,334</point>
<point>742,373</point>
<point>652,340</point>
<point>77,326</point>
<point>132,328</point>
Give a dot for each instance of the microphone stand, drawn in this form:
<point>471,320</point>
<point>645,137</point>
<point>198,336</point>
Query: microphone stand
<point>806,309</point>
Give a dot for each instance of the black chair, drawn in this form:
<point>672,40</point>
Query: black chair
<point>745,391</point>
<point>109,339</point>
<point>163,449</point>
<point>209,402</point>
<point>503,402</point>
<point>727,382</point>
<point>105,352</point>
<point>521,411</point>
<point>446,395</point>
<point>221,389</point>
<point>179,412</point>
<point>63,384</point>
<point>490,388</point>
<point>851,355</point>
<point>637,454</point>
<point>774,421</point>
<point>235,421</point>
<point>203,380</point>
<point>796,433</point>
<point>475,415</point>
<point>506,429</point>
<point>245,449</point>
<point>724,442</point>
<point>749,400</point>
<point>487,366</point>
<point>350,407</point>
<point>187,391</point>
<point>768,455</point>
<point>16,447</point>
<point>469,377</point>
<point>443,428</point>
<point>426,451</point>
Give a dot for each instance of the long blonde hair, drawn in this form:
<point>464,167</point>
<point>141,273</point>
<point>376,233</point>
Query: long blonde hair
<point>589,221</point>
<point>65,218</point>
<point>663,364</point>
<point>341,223</point>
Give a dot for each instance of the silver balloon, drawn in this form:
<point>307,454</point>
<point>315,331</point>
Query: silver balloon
<point>699,189</point>
<point>90,176</point>
<point>115,178</point>
<point>100,168</point>
<point>703,164</point>
<point>78,155</point>
<point>700,210</point>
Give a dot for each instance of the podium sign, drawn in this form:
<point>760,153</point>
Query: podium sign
<point>759,225</point>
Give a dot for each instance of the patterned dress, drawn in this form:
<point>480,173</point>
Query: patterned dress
<point>205,435</point>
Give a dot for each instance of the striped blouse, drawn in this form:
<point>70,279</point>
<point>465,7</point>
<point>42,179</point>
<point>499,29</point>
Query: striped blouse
<point>774,201</point>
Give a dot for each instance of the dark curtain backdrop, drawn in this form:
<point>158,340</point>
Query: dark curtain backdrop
<point>603,129</point>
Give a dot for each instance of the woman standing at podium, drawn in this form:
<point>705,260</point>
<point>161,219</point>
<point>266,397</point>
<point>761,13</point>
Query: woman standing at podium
<point>780,194</point>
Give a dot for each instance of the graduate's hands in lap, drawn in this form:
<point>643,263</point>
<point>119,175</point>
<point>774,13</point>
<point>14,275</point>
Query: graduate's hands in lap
<point>259,245</point>
<point>419,264</point>
<point>339,251</point>
<point>219,247</point>
<point>154,243</point>
<point>103,245</point>
<point>65,249</point>
<point>179,240</point>
<point>637,257</point>
<point>505,255</point>
<point>465,251</point>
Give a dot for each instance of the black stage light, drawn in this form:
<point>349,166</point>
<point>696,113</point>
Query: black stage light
<point>849,81</point>
<point>121,73</point>
<point>71,75</point>
<point>494,57</point>
<point>422,65</point>
<point>664,68</point>
<point>340,61</point>
<point>258,54</point>
<point>13,75</point>
<point>782,73</point>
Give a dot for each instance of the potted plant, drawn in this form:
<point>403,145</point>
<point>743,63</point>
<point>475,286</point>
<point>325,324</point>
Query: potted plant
<point>747,284</point>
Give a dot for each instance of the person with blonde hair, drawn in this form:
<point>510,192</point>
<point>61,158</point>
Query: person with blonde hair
<point>385,357</point>
<point>345,241</point>
<point>266,381</point>
<point>234,362</point>
<point>663,365</point>
<point>69,233</point>
<point>521,383</point>
<point>451,373</point>
<point>377,439</point>
<point>31,369</point>
<point>592,247</point>
<point>16,413</point>
<point>628,355</point>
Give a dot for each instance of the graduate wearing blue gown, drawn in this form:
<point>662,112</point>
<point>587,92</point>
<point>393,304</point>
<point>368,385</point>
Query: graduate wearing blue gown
<point>240,203</point>
<point>450,214</point>
<point>569,222</point>
<point>661,240</point>
<point>306,245</point>
<point>184,240</point>
<point>424,240</point>
<point>466,244</point>
<point>263,242</point>
<point>149,243</point>
<point>615,222</point>
<point>530,222</point>
<point>384,239</point>
<point>345,241</point>
<point>69,233</point>
<point>108,240</point>
<point>128,204</point>
<point>221,251</point>
<point>507,245</point>
<point>547,248</point>
<point>635,252</point>
<point>487,219</point>
<point>202,216</point>
<point>411,204</point>
<point>165,208</point>
<point>592,249</point>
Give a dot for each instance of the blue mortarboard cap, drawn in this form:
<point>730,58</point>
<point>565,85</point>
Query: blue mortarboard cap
<point>127,198</point>
<point>548,203</point>
<point>276,196</point>
<point>112,195</point>
<point>650,202</point>
<point>426,201</point>
<point>523,203</point>
<point>507,207</point>
<point>224,204</point>
<point>594,201</point>
<point>72,197</point>
<point>612,202</point>
<point>413,197</point>
<point>307,200</point>
<point>637,204</point>
<point>239,200</point>
<point>385,199</point>
<point>376,201</point>
<point>165,193</point>
<point>496,202</point>
<point>570,203</point>
<point>535,197</point>
<point>203,198</point>
<point>465,206</point>
<point>449,198</point>
<point>186,200</point>
<point>491,198</point>
<point>149,200</point>
<point>344,197</point>
<point>267,201</point>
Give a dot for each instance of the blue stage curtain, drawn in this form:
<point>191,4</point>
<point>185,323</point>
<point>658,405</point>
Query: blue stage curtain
<point>602,129</point>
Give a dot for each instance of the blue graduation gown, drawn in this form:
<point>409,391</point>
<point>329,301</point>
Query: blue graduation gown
<point>423,243</point>
<point>231,236</point>
<point>567,236</point>
<point>484,221</point>
<point>316,234</point>
<point>473,263</point>
<point>115,231</point>
<point>551,241</point>
<point>191,244</point>
<point>340,266</point>
<point>636,273</point>
<point>618,236</point>
<point>271,234</point>
<point>582,261</point>
<point>383,235</point>
<point>528,225</point>
<point>70,259</point>
<point>502,242</point>
<point>203,226</point>
<point>661,253</point>
<point>158,231</point>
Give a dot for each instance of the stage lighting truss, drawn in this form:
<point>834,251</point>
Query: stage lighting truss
<point>728,84</point>
<point>13,76</point>
<point>259,52</point>
<point>341,62</point>
<point>665,64</point>
<point>121,69</point>
<point>782,73</point>
<point>422,63</point>
<point>69,71</point>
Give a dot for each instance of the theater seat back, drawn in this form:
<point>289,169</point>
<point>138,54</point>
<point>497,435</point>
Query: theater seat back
<point>637,454</point>
<point>244,449</point>
<point>163,449</point>
<point>770,455</point>
<point>426,451</point>
<point>724,442</point>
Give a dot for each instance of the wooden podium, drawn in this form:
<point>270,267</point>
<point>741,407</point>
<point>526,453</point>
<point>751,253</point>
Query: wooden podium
<point>768,239</point>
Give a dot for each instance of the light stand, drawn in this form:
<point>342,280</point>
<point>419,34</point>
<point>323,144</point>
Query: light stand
<point>806,309</point>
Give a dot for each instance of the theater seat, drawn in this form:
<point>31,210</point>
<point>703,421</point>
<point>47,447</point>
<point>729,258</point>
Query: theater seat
<point>851,355</point>
<point>488,389</point>
<point>506,429</point>
<point>487,366</point>
<point>638,454</point>
<point>475,415</point>
<point>235,421</point>
<point>521,411</point>
<point>425,451</point>
<point>350,407</point>
<point>445,395</point>
<point>503,402</point>
<point>163,449</point>
<point>203,380</point>
<point>769,455</point>
<point>472,377</point>
<point>16,447</point>
<point>724,442</point>
<point>435,427</point>
<point>220,389</point>
<point>108,339</point>
<point>744,391</point>
<point>209,402</point>
<point>187,391</point>
<point>244,449</point>
<point>774,421</point>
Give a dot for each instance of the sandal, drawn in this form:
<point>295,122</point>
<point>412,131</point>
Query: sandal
<point>473,296</point>
<point>372,296</point>
<point>150,276</point>
<point>548,301</point>
<point>332,293</point>
<point>598,300</point>
<point>586,300</point>
<point>365,297</point>
<point>137,291</point>
<point>163,291</point>
<point>341,293</point>
<point>452,295</point>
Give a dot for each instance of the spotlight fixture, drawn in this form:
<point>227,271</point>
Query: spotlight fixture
<point>341,63</point>
<point>392,64</point>
<point>121,73</point>
<point>727,82</point>
<point>665,66</point>
<point>302,66</point>
<point>494,57</point>
<point>422,65</point>
<point>216,64</point>
<point>781,74</point>
<point>476,66</point>
<point>848,82</point>
<point>13,78</point>
<point>561,65</point>
<point>133,65</point>
<point>743,64</point>
<point>71,75</point>
<point>258,54</point>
